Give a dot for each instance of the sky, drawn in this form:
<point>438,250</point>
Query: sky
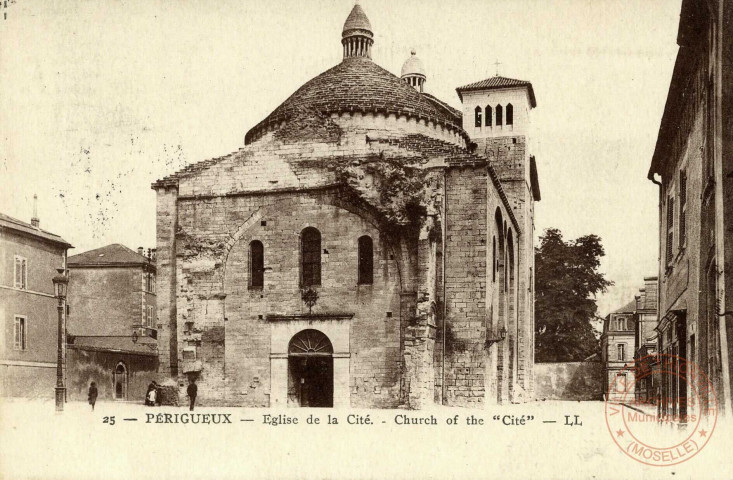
<point>100,99</point>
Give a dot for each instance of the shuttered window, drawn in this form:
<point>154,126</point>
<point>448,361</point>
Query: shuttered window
<point>670,230</point>
<point>683,208</point>
<point>19,333</point>
<point>21,272</point>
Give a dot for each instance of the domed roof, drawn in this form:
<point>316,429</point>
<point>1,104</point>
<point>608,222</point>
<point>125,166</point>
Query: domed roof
<point>358,85</point>
<point>413,66</point>
<point>356,22</point>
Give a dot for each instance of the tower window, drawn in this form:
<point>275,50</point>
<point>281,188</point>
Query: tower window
<point>256,264</point>
<point>509,114</point>
<point>488,113</point>
<point>366,260</point>
<point>477,113</point>
<point>499,115</point>
<point>310,257</point>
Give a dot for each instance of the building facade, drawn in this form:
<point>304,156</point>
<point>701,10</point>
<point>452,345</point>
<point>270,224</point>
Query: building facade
<point>112,325</point>
<point>691,165</point>
<point>369,246</point>
<point>29,259</point>
<point>617,353</point>
<point>645,341</point>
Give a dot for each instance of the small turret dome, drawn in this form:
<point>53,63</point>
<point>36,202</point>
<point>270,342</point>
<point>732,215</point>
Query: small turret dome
<point>413,72</point>
<point>413,66</point>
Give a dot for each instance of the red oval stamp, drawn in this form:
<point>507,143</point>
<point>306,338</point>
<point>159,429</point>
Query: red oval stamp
<point>661,410</point>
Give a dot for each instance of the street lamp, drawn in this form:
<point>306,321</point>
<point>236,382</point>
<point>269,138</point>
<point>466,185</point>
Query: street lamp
<point>492,339</point>
<point>60,282</point>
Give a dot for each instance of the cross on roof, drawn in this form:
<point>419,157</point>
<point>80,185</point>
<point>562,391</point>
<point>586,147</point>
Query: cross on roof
<point>497,63</point>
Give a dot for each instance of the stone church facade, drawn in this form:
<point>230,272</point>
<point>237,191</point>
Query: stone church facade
<point>368,246</point>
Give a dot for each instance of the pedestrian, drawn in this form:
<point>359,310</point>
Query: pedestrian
<point>158,396</point>
<point>150,398</point>
<point>93,394</point>
<point>150,401</point>
<point>192,390</point>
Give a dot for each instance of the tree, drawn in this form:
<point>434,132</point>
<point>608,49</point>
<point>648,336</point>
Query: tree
<point>566,284</point>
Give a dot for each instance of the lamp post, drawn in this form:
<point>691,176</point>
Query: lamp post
<point>60,283</point>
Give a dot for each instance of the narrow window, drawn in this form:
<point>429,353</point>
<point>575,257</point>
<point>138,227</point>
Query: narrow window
<point>151,317</point>
<point>150,282</point>
<point>670,228</point>
<point>19,333</point>
<point>21,272</point>
<point>509,114</point>
<point>493,261</point>
<point>621,351</point>
<point>366,260</point>
<point>310,257</point>
<point>489,115</point>
<point>499,115</point>
<point>256,264</point>
<point>683,208</point>
<point>477,114</point>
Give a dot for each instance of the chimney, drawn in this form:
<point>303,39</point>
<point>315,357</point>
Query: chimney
<point>35,221</point>
<point>140,250</point>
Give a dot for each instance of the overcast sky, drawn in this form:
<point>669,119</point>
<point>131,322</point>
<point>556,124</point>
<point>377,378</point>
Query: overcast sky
<point>100,99</point>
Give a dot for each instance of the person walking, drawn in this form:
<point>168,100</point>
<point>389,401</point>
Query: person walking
<point>93,394</point>
<point>192,390</point>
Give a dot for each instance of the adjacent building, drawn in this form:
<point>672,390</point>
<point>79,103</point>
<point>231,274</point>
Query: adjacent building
<point>368,246</point>
<point>617,353</point>
<point>691,164</point>
<point>112,326</point>
<point>645,342</point>
<point>29,259</point>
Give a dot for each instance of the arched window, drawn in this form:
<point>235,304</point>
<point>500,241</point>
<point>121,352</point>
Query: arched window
<point>366,260</point>
<point>477,123</point>
<point>488,115</point>
<point>256,264</point>
<point>310,254</point>
<point>509,114</point>
<point>499,115</point>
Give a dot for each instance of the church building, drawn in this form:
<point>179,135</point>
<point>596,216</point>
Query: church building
<point>368,246</point>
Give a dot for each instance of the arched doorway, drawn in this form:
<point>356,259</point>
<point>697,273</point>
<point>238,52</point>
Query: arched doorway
<point>310,369</point>
<point>120,382</point>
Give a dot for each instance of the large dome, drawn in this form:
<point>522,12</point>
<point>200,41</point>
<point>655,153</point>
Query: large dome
<point>358,85</point>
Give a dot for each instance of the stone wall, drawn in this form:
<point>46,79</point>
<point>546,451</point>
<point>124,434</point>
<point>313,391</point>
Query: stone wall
<point>465,297</point>
<point>224,321</point>
<point>86,366</point>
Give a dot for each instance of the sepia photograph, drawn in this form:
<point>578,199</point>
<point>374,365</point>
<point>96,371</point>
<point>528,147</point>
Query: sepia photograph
<point>366,239</point>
